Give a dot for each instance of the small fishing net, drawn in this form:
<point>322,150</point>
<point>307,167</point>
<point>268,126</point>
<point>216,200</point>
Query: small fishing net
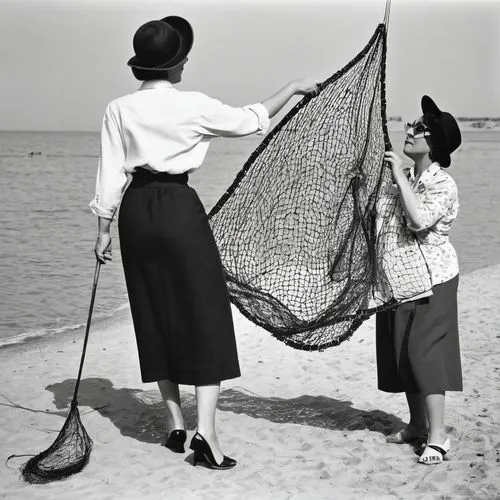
<point>70,452</point>
<point>297,230</point>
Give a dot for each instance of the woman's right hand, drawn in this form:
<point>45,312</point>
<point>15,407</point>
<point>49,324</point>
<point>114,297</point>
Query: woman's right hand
<point>102,247</point>
<point>306,86</point>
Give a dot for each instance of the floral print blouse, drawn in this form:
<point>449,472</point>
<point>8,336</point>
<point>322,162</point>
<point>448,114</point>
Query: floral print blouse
<point>438,208</point>
<point>413,260</point>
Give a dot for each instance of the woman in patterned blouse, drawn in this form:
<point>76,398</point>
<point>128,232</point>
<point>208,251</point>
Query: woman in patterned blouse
<point>417,343</point>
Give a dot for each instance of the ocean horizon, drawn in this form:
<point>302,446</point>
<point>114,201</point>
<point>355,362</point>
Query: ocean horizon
<point>394,124</point>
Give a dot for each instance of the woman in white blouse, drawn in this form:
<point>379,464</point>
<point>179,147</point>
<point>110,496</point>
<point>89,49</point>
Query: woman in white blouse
<point>175,282</point>
<point>418,348</point>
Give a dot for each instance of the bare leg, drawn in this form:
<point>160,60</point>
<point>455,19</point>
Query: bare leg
<point>170,394</point>
<point>206,402</point>
<point>434,406</point>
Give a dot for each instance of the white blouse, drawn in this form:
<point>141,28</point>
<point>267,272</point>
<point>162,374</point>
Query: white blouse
<point>163,129</point>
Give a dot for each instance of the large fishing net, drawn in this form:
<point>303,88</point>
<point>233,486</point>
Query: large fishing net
<point>304,253</point>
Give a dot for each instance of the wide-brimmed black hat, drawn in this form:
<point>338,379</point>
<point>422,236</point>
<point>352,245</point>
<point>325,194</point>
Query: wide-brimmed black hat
<point>162,44</point>
<point>445,134</point>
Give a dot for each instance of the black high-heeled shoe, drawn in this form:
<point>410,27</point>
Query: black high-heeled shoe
<point>175,441</point>
<point>203,453</point>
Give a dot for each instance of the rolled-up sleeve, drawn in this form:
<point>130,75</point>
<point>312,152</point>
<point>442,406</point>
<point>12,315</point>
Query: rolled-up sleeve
<point>434,202</point>
<point>111,176</point>
<point>218,119</point>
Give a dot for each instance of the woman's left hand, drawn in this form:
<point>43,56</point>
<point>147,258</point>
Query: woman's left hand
<point>396,164</point>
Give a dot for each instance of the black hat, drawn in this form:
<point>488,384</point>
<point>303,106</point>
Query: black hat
<point>162,44</point>
<point>445,134</point>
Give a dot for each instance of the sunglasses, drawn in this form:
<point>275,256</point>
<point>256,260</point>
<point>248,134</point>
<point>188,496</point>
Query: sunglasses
<point>419,130</point>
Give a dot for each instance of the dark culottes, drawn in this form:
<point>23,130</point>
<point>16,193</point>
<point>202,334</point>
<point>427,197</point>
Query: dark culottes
<point>418,348</point>
<point>175,282</point>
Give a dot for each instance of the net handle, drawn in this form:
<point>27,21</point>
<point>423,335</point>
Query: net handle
<point>387,12</point>
<point>89,318</point>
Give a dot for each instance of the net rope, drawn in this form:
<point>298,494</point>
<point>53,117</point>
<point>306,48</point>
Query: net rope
<point>297,230</point>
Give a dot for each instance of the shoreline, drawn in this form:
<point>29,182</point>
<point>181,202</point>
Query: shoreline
<point>299,423</point>
<point>34,337</point>
<point>117,315</point>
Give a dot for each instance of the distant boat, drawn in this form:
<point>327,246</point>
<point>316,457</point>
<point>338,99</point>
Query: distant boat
<point>35,153</point>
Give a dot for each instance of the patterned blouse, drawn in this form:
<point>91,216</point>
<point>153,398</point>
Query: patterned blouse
<point>438,208</point>
<point>414,260</point>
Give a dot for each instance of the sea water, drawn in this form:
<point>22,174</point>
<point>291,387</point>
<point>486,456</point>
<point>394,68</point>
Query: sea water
<point>48,232</point>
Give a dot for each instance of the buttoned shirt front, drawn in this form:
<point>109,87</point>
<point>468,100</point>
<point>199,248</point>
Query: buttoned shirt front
<point>163,129</point>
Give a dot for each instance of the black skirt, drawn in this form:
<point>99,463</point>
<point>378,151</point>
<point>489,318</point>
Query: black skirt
<point>175,282</point>
<point>418,349</point>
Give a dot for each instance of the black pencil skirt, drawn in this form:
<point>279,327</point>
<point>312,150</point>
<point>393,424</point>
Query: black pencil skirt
<point>418,349</point>
<point>175,282</point>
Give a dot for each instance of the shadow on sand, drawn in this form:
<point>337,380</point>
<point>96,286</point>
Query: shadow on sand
<point>142,415</point>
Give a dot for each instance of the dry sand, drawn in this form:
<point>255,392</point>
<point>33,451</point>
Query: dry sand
<point>301,425</point>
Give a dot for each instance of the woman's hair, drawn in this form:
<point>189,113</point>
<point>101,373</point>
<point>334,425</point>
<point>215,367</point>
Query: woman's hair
<point>435,153</point>
<point>150,74</point>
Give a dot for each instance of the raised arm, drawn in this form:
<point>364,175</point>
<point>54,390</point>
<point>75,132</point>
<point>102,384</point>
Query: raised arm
<point>407,196</point>
<point>275,103</point>
<point>422,210</point>
<point>218,119</point>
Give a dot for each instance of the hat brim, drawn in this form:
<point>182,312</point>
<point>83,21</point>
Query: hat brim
<point>186,36</point>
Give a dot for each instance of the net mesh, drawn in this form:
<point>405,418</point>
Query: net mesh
<point>67,455</point>
<point>297,229</point>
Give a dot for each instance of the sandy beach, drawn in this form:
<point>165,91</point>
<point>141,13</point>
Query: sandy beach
<point>301,425</point>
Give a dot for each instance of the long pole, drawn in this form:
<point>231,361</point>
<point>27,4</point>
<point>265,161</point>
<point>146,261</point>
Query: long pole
<point>91,308</point>
<point>387,12</point>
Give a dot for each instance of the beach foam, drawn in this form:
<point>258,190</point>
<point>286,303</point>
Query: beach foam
<point>35,335</point>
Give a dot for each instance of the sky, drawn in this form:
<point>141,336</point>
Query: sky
<point>62,61</point>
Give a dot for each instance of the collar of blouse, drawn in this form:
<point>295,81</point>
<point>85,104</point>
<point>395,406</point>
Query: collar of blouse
<point>433,169</point>
<point>156,84</point>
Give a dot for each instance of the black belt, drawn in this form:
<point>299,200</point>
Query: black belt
<point>141,175</point>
